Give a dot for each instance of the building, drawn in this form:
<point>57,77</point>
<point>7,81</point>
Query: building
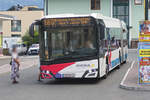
<point>2,19</point>
<point>130,11</point>
<point>23,18</point>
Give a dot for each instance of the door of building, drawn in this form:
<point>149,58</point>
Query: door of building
<point>121,11</point>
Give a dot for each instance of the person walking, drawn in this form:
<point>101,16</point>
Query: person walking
<point>15,64</point>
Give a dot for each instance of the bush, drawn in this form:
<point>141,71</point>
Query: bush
<point>28,40</point>
<point>6,52</point>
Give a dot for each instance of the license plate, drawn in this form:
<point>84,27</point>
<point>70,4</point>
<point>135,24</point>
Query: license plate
<point>34,52</point>
<point>68,75</point>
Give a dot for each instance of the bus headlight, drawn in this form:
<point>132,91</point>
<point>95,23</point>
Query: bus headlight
<point>47,72</point>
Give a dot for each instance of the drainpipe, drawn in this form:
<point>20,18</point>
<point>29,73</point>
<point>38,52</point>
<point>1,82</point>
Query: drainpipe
<point>146,9</point>
<point>46,7</point>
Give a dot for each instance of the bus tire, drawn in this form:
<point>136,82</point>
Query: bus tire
<point>106,72</point>
<point>119,61</point>
<point>125,61</point>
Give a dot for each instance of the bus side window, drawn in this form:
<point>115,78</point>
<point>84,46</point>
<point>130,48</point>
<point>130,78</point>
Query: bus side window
<point>102,32</point>
<point>102,40</point>
<point>125,40</point>
<point>115,38</point>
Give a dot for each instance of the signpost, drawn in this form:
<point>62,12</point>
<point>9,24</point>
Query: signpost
<point>1,41</point>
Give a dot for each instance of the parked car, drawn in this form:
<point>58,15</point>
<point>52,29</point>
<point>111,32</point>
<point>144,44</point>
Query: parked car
<point>21,48</point>
<point>33,49</point>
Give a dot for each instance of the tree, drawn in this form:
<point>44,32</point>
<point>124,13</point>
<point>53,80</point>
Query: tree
<point>28,40</point>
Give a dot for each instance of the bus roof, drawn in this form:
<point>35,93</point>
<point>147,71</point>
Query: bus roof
<point>108,21</point>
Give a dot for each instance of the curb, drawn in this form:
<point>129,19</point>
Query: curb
<point>5,57</point>
<point>132,49</point>
<point>131,87</point>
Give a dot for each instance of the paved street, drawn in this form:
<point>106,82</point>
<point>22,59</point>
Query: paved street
<point>105,89</point>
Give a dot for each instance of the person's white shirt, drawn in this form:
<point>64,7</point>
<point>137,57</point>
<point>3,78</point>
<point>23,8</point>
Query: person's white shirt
<point>14,55</point>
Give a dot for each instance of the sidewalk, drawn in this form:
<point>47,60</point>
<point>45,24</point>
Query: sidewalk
<point>5,57</point>
<point>130,80</point>
<point>23,65</point>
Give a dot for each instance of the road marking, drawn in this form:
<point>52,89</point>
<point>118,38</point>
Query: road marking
<point>124,78</point>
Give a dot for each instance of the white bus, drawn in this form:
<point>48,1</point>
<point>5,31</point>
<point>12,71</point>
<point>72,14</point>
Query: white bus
<point>81,46</point>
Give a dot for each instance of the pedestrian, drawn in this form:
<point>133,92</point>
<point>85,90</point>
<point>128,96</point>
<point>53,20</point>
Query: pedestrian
<point>15,64</point>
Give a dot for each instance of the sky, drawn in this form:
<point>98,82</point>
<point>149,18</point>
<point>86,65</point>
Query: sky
<point>5,4</point>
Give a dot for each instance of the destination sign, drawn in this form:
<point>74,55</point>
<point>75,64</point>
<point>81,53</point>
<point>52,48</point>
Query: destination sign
<point>54,22</point>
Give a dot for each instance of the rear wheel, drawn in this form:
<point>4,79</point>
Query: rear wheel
<point>125,61</point>
<point>106,72</point>
<point>119,61</point>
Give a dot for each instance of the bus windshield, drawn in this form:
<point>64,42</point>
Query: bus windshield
<point>70,42</point>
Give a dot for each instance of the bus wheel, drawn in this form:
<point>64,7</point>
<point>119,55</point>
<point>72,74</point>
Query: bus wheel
<point>125,61</point>
<point>119,61</point>
<point>106,72</point>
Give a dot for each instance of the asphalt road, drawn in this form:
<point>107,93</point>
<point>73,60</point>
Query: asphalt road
<point>105,89</point>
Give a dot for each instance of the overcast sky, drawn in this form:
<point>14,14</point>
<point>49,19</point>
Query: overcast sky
<point>5,4</point>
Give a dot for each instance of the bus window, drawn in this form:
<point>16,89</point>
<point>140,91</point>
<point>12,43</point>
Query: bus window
<point>103,41</point>
<point>71,42</point>
<point>125,40</point>
<point>46,44</point>
<point>115,37</point>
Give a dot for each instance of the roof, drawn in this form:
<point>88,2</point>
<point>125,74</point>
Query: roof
<point>108,21</point>
<point>6,17</point>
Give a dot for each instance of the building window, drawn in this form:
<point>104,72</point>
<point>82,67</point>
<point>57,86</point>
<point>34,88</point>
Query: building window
<point>138,2</point>
<point>149,4</point>
<point>15,35</point>
<point>95,4</point>
<point>16,25</point>
<point>121,10</point>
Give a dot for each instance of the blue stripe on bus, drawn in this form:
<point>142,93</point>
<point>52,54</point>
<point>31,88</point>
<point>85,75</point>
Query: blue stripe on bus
<point>115,62</point>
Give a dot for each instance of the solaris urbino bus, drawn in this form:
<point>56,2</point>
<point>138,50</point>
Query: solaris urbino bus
<point>81,46</point>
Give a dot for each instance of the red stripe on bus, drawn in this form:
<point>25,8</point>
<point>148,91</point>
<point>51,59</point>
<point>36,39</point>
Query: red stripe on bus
<point>56,68</point>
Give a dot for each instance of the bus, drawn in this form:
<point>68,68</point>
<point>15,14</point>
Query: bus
<point>81,46</point>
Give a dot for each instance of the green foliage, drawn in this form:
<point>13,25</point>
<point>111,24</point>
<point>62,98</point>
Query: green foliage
<point>28,40</point>
<point>36,37</point>
<point>6,52</point>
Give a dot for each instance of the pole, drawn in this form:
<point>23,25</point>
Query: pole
<point>46,7</point>
<point>146,9</point>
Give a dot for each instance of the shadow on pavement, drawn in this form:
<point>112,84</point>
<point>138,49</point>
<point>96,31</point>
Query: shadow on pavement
<point>70,81</point>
